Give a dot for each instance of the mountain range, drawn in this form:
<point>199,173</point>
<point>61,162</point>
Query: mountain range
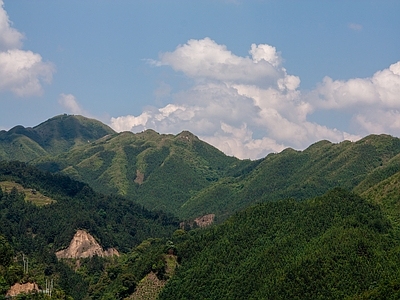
<point>322,223</point>
<point>183,175</point>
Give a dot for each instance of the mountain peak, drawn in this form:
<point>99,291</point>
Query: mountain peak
<point>65,131</point>
<point>187,135</point>
<point>54,136</point>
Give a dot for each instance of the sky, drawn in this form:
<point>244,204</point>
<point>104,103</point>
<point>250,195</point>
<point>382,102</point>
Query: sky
<point>250,77</point>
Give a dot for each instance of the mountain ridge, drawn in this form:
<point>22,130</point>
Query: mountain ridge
<point>183,175</point>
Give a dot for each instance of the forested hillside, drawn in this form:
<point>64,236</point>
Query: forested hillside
<point>159,171</point>
<point>338,246</point>
<point>183,175</point>
<point>301,175</point>
<point>115,221</point>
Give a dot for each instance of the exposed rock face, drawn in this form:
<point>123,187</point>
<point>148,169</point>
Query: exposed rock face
<point>205,220</point>
<point>139,177</point>
<point>202,221</point>
<point>84,245</point>
<point>19,288</point>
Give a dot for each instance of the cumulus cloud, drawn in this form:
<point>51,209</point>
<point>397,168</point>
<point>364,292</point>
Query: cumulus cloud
<point>250,106</point>
<point>246,106</point>
<point>205,59</point>
<point>382,89</point>
<point>374,101</point>
<point>10,38</point>
<point>69,102</point>
<point>21,72</point>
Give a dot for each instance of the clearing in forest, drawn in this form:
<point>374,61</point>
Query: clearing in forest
<point>31,195</point>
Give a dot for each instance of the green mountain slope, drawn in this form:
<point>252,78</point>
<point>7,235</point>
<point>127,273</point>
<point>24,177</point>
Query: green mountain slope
<point>337,246</point>
<point>386,195</point>
<point>56,135</point>
<point>156,170</point>
<point>300,175</point>
<point>189,178</point>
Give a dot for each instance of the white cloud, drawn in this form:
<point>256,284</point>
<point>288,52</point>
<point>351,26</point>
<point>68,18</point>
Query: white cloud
<point>69,102</point>
<point>240,142</point>
<point>205,59</point>
<point>382,89</point>
<point>10,38</point>
<point>250,106</point>
<point>378,121</point>
<point>374,102</point>
<point>21,72</point>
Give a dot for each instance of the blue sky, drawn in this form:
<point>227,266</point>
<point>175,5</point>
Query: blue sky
<point>250,77</point>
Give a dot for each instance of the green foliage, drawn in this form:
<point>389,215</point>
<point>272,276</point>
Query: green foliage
<point>331,247</point>
<point>300,175</point>
<point>115,221</point>
<point>6,253</point>
<point>54,136</point>
<point>122,275</point>
<point>335,246</point>
<point>39,231</point>
<point>182,175</point>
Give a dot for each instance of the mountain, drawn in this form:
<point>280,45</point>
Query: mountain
<point>37,233</point>
<point>335,246</point>
<point>54,136</point>
<point>301,175</point>
<point>183,175</point>
<point>159,171</point>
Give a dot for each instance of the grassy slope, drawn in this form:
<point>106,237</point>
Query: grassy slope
<point>31,195</point>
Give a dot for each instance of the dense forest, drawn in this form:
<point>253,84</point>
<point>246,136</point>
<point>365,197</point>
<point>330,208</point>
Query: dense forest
<point>338,246</point>
<point>331,247</point>
<point>37,232</point>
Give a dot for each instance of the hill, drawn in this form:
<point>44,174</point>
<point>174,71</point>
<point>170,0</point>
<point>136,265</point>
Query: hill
<point>38,232</point>
<point>333,244</point>
<point>113,220</point>
<point>337,246</point>
<point>159,171</point>
<point>56,135</point>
